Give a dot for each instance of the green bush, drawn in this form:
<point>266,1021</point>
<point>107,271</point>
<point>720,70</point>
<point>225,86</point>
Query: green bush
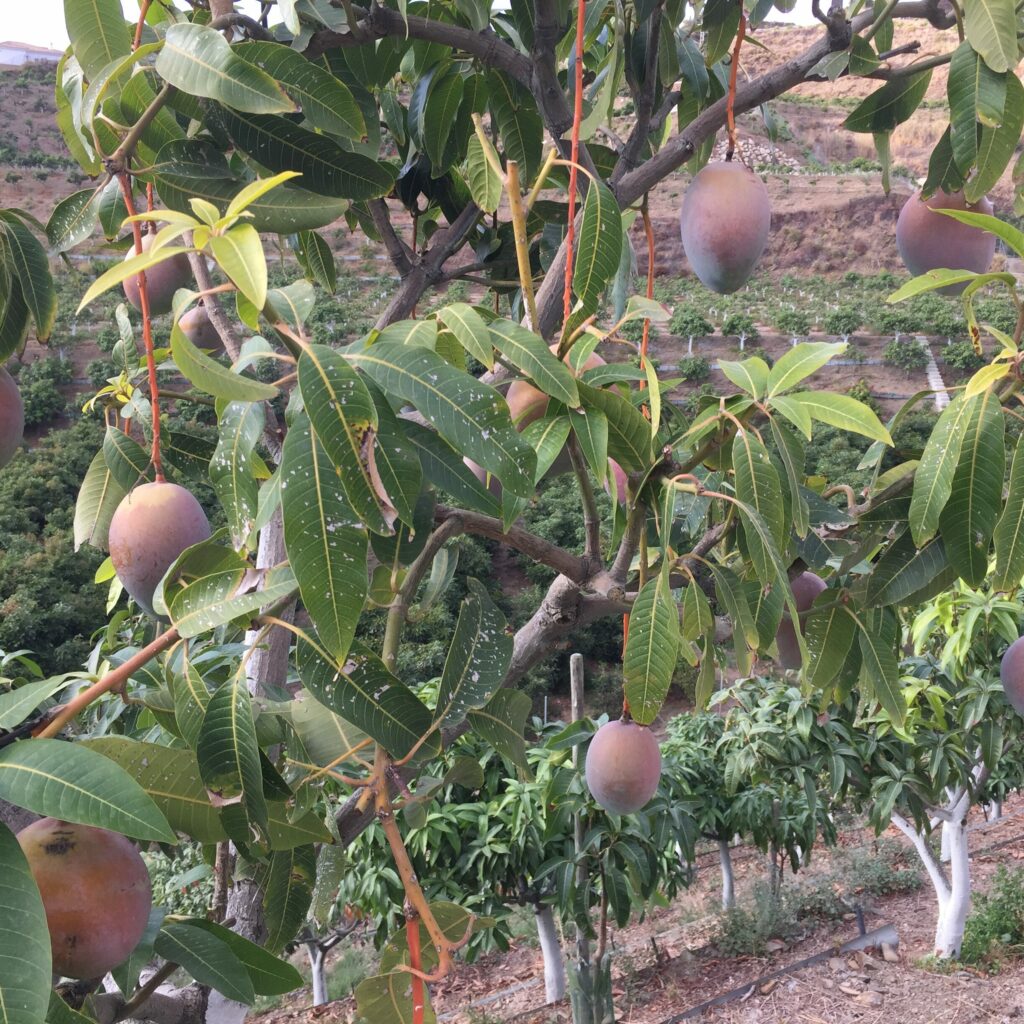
<point>999,312</point>
<point>39,385</point>
<point>694,368</point>
<point>960,355</point>
<point>689,322</point>
<point>909,356</point>
<point>99,371</point>
<point>995,929</point>
<point>792,321</point>
<point>843,320</point>
<point>740,325</point>
<point>861,391</point>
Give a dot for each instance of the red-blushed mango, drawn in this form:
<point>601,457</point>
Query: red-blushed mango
<point>527,403</point>
<point>1011,672</point>
<point>806,587</point>
<point>198,328</point>
<point>724,222</point>
<point>96,894</point>
<point>151,527</point>
<point>12,418</point>
<point>623,766</point>
<point>930,241</point>
<point>162,280</point>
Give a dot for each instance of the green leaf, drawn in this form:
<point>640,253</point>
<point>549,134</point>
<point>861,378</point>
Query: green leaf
<point>903,571</point>
<point>468,326</point>
<point>171,778</point>
<point>729,591</point>
<point>73,220</point>
<point>889,106</point>
<point>17,705</point>
<point>362,691</point>
<point>478,658</point>
<point>1009,532</point>
<point>71,782</point>
<point>191,698</point>
<point>342,413</point>
<point>239,253</point>
<point>232,468</point>
<point>799,362</point>
<point>130,267</point>
<point>98,498</point>
<point>444,467</point>
<point>394,459</point>
<point>933,480</point>
<point>652,649</point>
<point>269,976</point>
<point>591,429</point>
<point>969,518</point>
<point>189,168</point>
<point>205,956</point>
<point>229,755</point>
<point>485,184</point>
<point>324,735</point>
<point>327,169</point>
<point>991,28</point>
<point>527,352</point>
<point>440,116</point>
<point>14,321</point>
<point>471,415</point>
<point>30,264</point>
<point>198,60</point>
<point>879,661</point>
<point>976,93</point>
<point>317,260</point>
<point>997,145</point>
<point>127,459</point>
<point>750,375</point>
<point>326,102</point>
<point>501,723</point>
<point>757,483</point>
<point>212,378</point>
<point>629,434</point>
<point>98,33</point>
<point>25,958</point>
<point>720,22</point>
<point>387,999</point>
<point>829,635</point>
<point>287,884</point>
<point>792,454</point>
<point>1007,233</point>
<point>838,411</point>
<point>519,125</point>
<point>599,244</point>
<point>326,545</point>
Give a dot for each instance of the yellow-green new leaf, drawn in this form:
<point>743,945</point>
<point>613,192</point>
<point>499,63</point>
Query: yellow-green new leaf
<point>131,267</point>
<point>800,362</point>
<point>240,255</point>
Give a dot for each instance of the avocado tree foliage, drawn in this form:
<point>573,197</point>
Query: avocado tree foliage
<point>343,478</point>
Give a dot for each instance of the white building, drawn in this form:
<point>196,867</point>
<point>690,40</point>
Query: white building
<point>15,55</point>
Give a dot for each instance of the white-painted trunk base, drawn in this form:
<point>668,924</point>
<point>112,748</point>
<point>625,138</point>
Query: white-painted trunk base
<point>728,879</point>
<point>551,950</point>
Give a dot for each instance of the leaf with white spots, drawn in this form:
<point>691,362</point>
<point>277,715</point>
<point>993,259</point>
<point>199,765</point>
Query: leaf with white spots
<point>477,661</point>
<point>232,468</point>
<point>325,542</point>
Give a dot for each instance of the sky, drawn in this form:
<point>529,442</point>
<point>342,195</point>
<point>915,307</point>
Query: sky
<point>42,21</point>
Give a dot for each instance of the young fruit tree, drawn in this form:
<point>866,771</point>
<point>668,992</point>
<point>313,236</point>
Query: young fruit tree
<point>242,694</point>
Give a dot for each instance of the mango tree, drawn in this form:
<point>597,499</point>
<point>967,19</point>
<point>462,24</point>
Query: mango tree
<point>255,717</point>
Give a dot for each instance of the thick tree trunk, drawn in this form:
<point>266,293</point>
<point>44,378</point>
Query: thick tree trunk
<point>317,957</point>
<point>728,879</point>
<point>994,810</point>
<point>551,950</point>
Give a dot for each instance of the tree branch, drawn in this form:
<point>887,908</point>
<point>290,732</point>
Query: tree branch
<point>401,255</point>
<point>379,22</point>
<point>429,270</point>
<point>924,851</point>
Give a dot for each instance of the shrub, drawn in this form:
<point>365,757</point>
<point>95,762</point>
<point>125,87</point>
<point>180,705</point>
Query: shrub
<point>688,322</point>
<point>998,312</point>
<point>896,320</point>
<point>995,929</point>
<point>632,330</point>
<point>694,368</point>
<point>792,321</point>
<point>744,930</point>
<point>861,391</point>
<point>909,356</point>
<point>960,355</point>
<point>107,338</point>
<point>99,371</point>
<point>740,325</point>
<point>38,383</point>
<point>843,320</point>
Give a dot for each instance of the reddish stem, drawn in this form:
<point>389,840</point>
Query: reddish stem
<point>412,931</point>
<point>577,119</point>
<point>147,332</point>
<point>143,11</point>
<point>730,103</point>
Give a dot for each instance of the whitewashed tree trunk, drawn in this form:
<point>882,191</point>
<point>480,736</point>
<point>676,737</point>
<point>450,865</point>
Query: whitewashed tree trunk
<point>728,879</point>
<point>945,842</point>
<point>551,950</point>
<point>317,957</point>
<point>994,810</point>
